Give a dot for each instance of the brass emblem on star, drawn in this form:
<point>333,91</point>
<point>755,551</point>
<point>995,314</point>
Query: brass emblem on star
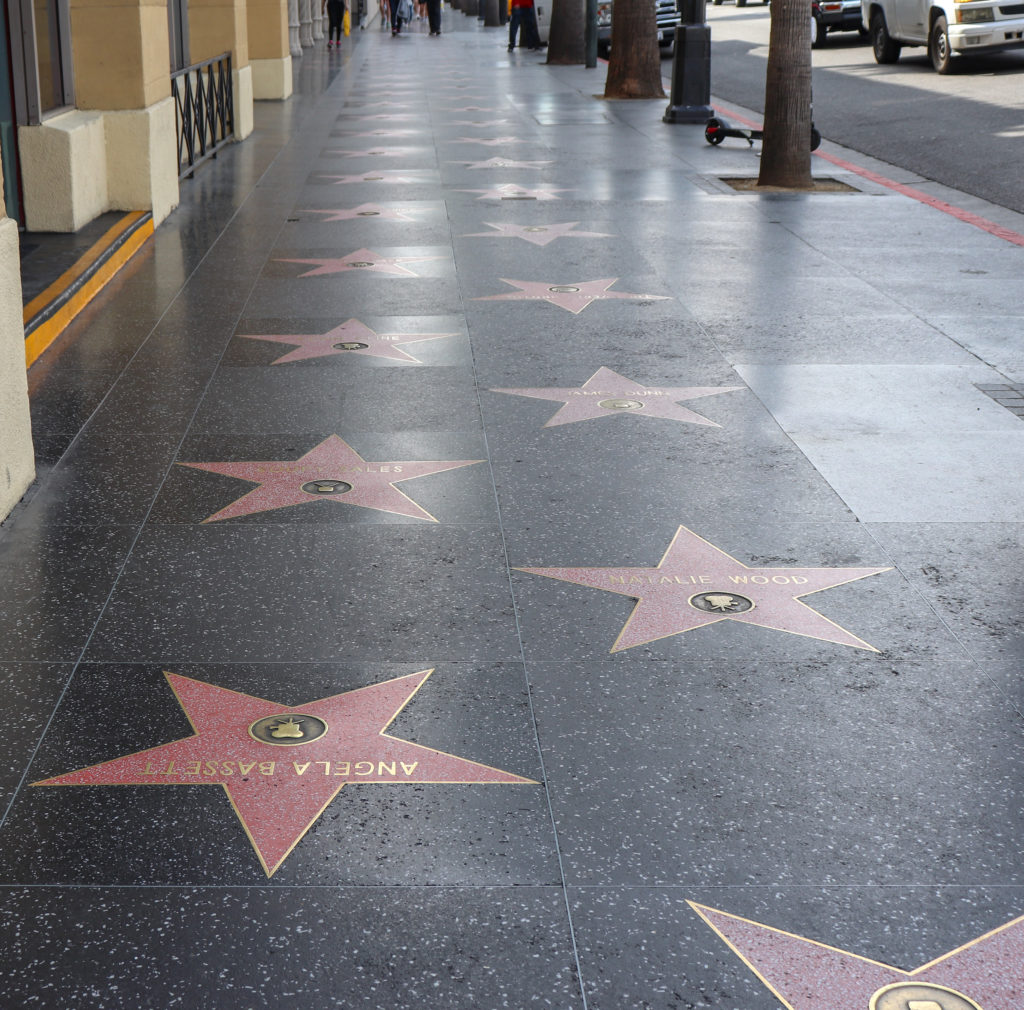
<point>721,603</point>
<point>920,996</point>
<point>359,263</point>
<point>621,404</point>
<point>326,487</point>
<point>288,730</point>
<point>563,289</point>
<point>350,345</point>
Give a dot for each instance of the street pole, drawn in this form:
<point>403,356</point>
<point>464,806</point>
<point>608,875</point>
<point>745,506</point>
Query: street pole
<point>590,34</point>
<point>690,99</point>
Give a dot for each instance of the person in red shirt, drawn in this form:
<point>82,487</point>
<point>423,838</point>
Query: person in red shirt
<point>523,14</point>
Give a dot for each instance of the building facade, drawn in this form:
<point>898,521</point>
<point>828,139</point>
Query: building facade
<point>93,97</point>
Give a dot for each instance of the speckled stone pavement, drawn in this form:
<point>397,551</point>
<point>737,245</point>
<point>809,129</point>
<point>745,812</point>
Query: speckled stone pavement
<point>329,482</point>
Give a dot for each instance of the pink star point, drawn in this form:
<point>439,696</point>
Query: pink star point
<point>279,788</point>
<point>513,191</point>
<point>362,259</point>
<point>573,297</point>
<point>608,394</point>
<point>696,584</point>
<point>807,975</point>
<point>351,338</point>
<point>536,234</point>
<point>365,210</point>
<point>331,471</point>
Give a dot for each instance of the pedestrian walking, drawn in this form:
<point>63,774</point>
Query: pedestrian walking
<point>434,16</point>
<point>523,14</point>
<point>335,13</point>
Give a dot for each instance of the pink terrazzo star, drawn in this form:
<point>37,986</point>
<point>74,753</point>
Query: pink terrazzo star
<point>984,974</point>
<point>367,210</point>
<point>493,142</point>
<point>374,152</point>
<point>382,117</point>
<point>352,134</point>
<point>351,337</point>
<point>362,259</point>
<point>502,163</point>
<point>281,766</point>
<point>608,394</point>
<point>573,297</point>
<point>332,471</point>
<point>536,233</point>
<point>696,584</point>
<point>513,191</point>
<point>477,122</point>
<point>380,175</point>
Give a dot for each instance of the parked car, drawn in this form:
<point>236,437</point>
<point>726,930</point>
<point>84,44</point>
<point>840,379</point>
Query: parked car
<point>666,13</point>
<point>739,3</point>
<point>944,26</point>
<point>834,16</point>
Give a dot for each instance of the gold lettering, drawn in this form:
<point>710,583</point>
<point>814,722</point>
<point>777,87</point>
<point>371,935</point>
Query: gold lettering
<point>799,580</point>
<point>169,770</point>
<point>760,580</point>
<point>736,579</point>
<point>397,469</point>
<point>227,767</point>
<point>300,769</point>
<point>621,579</point>
<point>211,768</point>
<point>409,769</point>
<point>368,765</point>
<point>245,767</point>
<point>193,768</point>
<point>149,769</point>
<point>383,768</point>
<point>635,578</point>
<point>342,768</point>
<point>267,767</point>
<point>705,580</point>
<point>327,766</point>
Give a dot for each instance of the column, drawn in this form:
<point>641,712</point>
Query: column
<point>17,465</point>
<point>306,23</point>
<point>294,45</point>
<point>318,20</point>
<point>269,53</point>
<point>217,26</point>
<point>118,149</point>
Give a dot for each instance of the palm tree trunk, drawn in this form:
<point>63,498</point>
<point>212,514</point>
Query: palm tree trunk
<point>634,69</point>
<point>565,43</point>
<point>786,150</point>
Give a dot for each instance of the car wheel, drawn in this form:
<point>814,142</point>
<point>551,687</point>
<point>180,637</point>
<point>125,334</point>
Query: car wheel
<point>887,49</point>
<point>817,32</point>
<point>938,46</point>
<point>717,3</point>
<point>604,50</point>
<point>741,3</point>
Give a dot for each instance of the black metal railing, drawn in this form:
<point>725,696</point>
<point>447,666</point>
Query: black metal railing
<point>203,111</point>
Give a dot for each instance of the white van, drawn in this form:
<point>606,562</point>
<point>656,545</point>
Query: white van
<point>944,26</point>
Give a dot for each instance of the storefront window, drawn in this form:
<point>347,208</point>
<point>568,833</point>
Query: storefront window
<point>42,63</point>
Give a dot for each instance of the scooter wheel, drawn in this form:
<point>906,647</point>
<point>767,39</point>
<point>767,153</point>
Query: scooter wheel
<point>713,132</point>
<point>815,138</point>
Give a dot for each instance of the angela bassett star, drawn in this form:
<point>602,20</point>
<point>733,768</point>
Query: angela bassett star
<point>330,472</point>
<point>281,766</point>
<point>696,584</point>
<point>608,394</point>
<point>984,974</point>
